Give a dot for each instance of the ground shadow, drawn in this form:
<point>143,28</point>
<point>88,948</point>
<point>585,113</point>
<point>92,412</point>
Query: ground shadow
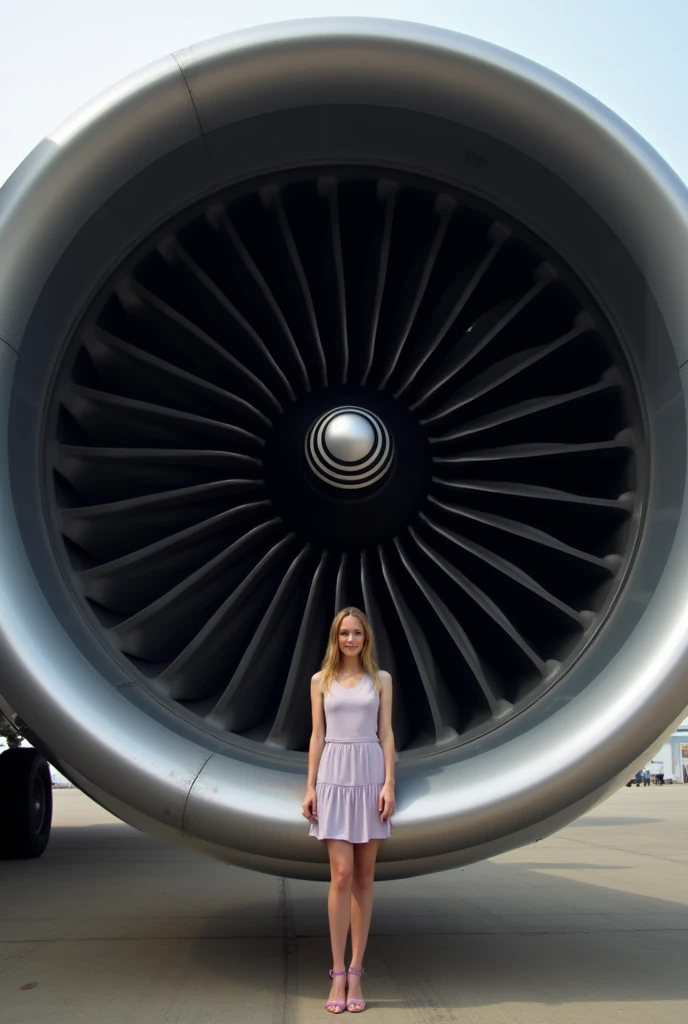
<point>505,933</point>
<point>500,932</point>
<point>612,822</point>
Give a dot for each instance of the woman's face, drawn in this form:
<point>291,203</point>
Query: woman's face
<point>351,636</point>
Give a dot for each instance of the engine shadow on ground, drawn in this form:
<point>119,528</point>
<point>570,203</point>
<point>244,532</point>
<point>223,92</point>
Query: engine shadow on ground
<point>109,842</point>
<point>611,822</point>
<point>501,933</point>
<point>550,931</point>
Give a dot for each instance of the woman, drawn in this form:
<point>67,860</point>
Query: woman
<point>350,792</point>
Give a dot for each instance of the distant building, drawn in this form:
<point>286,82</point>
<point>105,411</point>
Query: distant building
<point>672,758</point>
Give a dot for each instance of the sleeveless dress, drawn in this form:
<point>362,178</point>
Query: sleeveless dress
<point>351,772</point>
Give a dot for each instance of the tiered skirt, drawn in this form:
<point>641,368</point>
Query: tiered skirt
<point>350,776</point>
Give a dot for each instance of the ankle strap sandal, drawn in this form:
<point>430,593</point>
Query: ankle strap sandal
<point>337,1004</point>
<point>356,1005</point>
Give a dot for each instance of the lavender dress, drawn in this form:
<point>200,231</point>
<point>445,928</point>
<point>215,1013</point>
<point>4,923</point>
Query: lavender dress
<point>351,772</point>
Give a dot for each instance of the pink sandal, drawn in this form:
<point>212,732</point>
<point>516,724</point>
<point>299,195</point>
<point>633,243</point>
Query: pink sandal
<point>360,1003</point>
<point>339,1003</point>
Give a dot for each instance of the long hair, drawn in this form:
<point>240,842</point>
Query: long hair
<point>333,656</point>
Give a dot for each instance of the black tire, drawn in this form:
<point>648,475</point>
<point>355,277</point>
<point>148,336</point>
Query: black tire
<point>26,798</point>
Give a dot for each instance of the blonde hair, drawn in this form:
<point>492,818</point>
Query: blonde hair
<point>333,656</point>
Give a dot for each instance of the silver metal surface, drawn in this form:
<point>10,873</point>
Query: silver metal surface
<point>349,436</point>
<point>349,448</point>
<point>527,141</point>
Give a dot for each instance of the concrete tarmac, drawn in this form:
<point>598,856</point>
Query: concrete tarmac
<point>587,927</point>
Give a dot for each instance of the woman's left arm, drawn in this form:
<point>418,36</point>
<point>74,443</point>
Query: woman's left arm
<point>386,737</point>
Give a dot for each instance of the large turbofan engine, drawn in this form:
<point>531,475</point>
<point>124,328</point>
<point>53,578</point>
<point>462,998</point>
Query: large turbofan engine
<point>334,313</point>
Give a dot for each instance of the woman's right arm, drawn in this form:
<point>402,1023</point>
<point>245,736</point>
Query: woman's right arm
<point>315,748</point>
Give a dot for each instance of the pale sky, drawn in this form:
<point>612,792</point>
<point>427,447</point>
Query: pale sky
<point>55,55</point>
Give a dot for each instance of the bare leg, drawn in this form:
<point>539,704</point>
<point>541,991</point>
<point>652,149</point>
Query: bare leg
<point>365,855</point>
<point>339,908</point>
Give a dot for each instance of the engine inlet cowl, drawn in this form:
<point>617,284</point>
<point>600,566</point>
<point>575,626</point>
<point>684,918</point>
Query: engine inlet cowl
<point>351,328</point>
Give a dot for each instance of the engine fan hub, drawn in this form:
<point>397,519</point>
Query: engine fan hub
<point>342,504</point>
<point>349,448</point>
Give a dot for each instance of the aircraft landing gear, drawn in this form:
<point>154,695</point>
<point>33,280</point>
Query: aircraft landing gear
<point>26,803</point>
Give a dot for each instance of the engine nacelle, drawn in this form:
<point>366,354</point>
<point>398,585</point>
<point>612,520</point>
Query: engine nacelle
<point>344,312</point>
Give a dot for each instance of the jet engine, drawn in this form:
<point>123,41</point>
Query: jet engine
<point>327,313</point>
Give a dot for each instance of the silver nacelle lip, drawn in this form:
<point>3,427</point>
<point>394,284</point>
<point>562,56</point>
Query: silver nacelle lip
<point>141,766</point>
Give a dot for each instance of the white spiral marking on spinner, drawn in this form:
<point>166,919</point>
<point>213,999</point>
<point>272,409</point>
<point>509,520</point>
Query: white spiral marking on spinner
<point>349,447</point>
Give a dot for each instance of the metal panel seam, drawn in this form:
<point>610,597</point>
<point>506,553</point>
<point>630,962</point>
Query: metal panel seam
<point>186,802</point>
<point>9,345</point>
<point>195,109</point>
